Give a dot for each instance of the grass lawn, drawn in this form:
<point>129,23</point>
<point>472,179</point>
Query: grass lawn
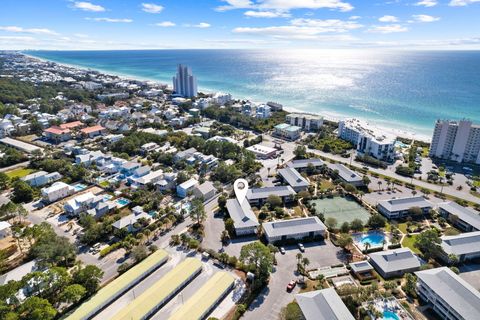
<point>325,185</point>
<point>409,241</point>
<point>425,152</point>
<point>20,173</point>
<point>476,183</point>
<point>403,227</point>
<point>298,211</point>
<point>104,184</point>
<point>309,285</point>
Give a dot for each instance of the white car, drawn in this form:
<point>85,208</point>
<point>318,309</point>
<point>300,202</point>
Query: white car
<point>301,247</point>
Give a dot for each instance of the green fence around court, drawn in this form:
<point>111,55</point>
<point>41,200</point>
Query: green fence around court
<point>119,286</point>
<point>160,292</point>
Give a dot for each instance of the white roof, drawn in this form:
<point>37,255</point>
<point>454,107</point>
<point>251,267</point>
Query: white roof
<point>4,225</point>
<point>188,184</point>
<point>401,204</point>
<point>323,304</point>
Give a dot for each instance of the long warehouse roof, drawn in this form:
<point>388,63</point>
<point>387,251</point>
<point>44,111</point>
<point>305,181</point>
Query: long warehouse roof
<point>108,293</point>
<point>203,300</point>
<point>157,293</point>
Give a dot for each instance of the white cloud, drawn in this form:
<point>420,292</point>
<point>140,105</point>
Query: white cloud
<point>424,18</point>
<point>152,8</point>
<point>112,20</point>
<point>285,5</point>
<point>391,28</point>
<point>266,14</point>
<point>427,3</point>
<point>461,3</point>
<point>354,18</point>
<point>388,19</point>
<point>202,25</point>
<point>88,6</point>
<point>165,24</point>
<point>81,35</point>
<point>28,30</point>
<point>304,29</point>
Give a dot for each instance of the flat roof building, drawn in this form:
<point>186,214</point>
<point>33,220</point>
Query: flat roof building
<point>20,145</point>
<point>399,207</point>
<point>160,292</point>
<point>294,179</point>
<point>244,219</point>
<point>262,152</point>
<point>323,304</point>
<point>298,229</point>
<point>206,298</point>
<point>462,217</point>
<point>119,286</point>
<point>448,295</point>
<point>394,263</point>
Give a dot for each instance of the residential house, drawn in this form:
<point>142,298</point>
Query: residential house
<point>129,221</point>
<point>5,229</point>
<point>82,203</point>
<point>186,187</point>
<point>323,304</point>
<point>57,191</point>
<point>40,178</point>
<point>57,134</point>
<point>91,132</point>
<point>286,131</point>
<point>205,191</point>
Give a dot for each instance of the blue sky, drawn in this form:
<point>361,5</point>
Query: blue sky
<point>131,24</point>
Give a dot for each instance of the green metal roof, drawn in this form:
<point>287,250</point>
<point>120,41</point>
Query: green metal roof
<point>204,299</point>
<point>158,292</point>
<point>105,295</point>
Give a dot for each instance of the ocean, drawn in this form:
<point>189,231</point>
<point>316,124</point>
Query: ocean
<point>403,90</point>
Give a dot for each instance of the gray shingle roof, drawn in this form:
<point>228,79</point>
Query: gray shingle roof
<point>455,291</point>
<point>293,177</point>
<point>241,214</point>
<point>205,187</point>
<point>293,226</point>
<point>263,193</point>
<point>303,163</point>
<point>461,244</point>
<point>323,304</point>
<point>465,214</point>
<point>401,204</point>
<point>395,260</point>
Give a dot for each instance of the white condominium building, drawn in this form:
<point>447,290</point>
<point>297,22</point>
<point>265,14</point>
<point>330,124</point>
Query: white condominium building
<point>368,139</point>
<point>456,140</point>
<point>185,83</point>
<point>308,122</point>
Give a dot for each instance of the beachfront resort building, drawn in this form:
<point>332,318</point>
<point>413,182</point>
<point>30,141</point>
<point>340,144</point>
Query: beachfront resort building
<point>307,122</point>
<point>367,139</point>
<point>456,140</point>
<point>396,208</point>
<point>451,297</point>
<point>185,83</point>
<point>286,131</point>
<point>323,304</point>
<point>297,229</point>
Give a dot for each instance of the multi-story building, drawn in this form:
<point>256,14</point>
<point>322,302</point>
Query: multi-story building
<point>451,297</point>
<point>456,140</point>
<point>397,208</point>
<point>367,139</point>
<point>286,131</point>
<point>185,83</point>
<point>263,111</point>
<point>307,122</point>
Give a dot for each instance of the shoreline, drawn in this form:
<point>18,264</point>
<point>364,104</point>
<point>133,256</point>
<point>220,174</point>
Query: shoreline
<point>406,134</point>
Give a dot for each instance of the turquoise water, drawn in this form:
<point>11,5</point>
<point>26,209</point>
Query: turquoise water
<point>79,187</point>
<point>375,239</point>
<point>389,315</point>
<point>122,202</point>
<point>401,89</point>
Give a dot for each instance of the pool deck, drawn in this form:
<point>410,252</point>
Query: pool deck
<point>358,236</point>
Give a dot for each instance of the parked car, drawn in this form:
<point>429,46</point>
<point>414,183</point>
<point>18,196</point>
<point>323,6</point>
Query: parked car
<point>291,285</point>
<point>301,247</point>
<point>282,250</point>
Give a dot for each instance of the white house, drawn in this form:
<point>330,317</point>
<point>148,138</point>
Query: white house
<point>5,229</point>
<point>57,191</point>
<point>41,178</point>
<point>184,188</point>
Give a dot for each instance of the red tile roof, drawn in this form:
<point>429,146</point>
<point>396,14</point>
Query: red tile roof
<point>92,129</point>
<point>56,130</point>
<point>71,125</point>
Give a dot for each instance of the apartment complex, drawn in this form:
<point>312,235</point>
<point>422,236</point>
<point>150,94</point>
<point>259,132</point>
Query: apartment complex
<point>307,122</point>
<point>368,139</point>
<point>185,83</point>
<point>456,140</point>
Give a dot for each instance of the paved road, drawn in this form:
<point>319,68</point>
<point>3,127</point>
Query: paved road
<point>448,190</point>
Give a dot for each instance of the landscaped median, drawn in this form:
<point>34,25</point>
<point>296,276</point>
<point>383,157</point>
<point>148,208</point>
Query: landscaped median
<point>119,286</point>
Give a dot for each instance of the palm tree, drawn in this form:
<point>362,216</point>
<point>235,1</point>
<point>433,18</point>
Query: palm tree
<point>379,184</point>
<point>414,192</point>
<point>305,263</point>
<point>367,245</point>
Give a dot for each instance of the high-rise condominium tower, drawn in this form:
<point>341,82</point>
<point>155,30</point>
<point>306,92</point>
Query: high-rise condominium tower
<point>185,83</point>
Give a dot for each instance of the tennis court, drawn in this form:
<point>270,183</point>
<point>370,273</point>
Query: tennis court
<point>343,209</point>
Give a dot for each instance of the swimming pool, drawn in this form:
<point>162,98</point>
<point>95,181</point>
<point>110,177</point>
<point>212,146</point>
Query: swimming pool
<point>389,315</point>
<point>122,202</point>
<point>79,187</point>
<point>374,239</point>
